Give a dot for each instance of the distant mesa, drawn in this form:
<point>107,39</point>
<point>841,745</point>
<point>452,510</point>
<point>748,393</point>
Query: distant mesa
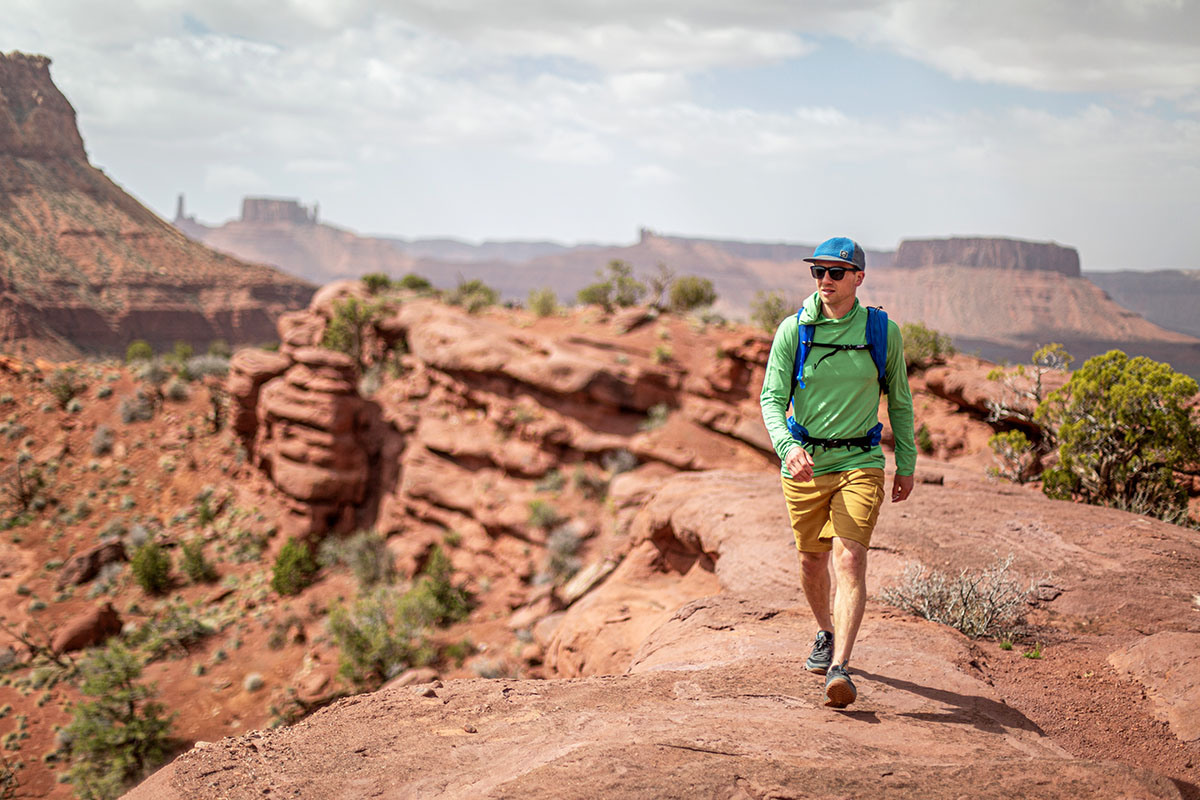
<point>274,209</point>
<point>997,253</point>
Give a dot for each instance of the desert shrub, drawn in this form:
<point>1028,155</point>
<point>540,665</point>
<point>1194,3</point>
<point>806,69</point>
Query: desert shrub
<point>435,587</point>
<point>414,282</point>
<point>138,350</point>
<point>768,309</point>
<point>294,568</point>
<point>473,295</point>
<point>543,515</point>
<point>618,461</point>
<point>20,486</point>
<point>662,354</point>
<point>65,384</point>
<point>365,554</point>
<point>387,631</point>
<point>1022,388</point>
<point>102,440</point>
<point>219,348</point>
<point>690,292</point>
<point>616,287</point>
<point>347,327</point>
<point>924,439</point>
<point>380,636</point>
<point>122,733</point>
<point>923,346</point>
<point>543,302</point>
<point>376,282</point>
<point>208,364</point>
<point>181,352</point>
<point>136,407</point>
<point>1014,456</point>
<point>152,372</point>
<point>986,603</point>
<point>8,780</point>
<point>1123,427</point>
<point>173,631</point>
<point>151,567</point>
<point>193,563</point>
<point>590,486</point>
<point>656,417</point>
<point>177,391</point>
<point>562,548</point>
<point>552,481</point>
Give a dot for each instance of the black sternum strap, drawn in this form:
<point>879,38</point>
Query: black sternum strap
<point>836,348</point>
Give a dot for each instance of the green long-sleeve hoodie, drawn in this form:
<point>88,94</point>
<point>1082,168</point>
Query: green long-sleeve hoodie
<point>841,398</point>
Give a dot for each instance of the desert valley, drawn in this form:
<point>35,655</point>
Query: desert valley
<point>392,537</point>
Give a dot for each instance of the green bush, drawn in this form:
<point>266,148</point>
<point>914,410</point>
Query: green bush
<point>122,734</point>
<point>414,282</point>
<point>617,287</point>
<point>294,568</point>
<point>543,302</point>
<point>923,346</point>
<point>543,515</point>
<point>1123,428</point>
<point>138,350</point>
<point>924,439</point>
<point>690,292</point>
<point>136,407</point>
<point>768,309</point>
<point>473,295</point>
<point>151,567</point>
<point>346,330</point>
<point>376,282</point>
<point>198,568</point>
<point>219,348</point>
<point>1014,456</point>
<point>387,631</point>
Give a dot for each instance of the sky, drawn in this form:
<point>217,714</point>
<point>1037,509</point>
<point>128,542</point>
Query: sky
<point>584,121</point>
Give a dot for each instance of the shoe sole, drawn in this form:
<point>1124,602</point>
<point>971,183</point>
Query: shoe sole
<point>840,692</point>
<point>817,669</point>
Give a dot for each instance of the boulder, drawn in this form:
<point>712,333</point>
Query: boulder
<point>88,629</point>
<point>83,567</point>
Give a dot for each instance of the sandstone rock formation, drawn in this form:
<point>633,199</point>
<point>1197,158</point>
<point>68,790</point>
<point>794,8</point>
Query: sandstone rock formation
<point>87,630</point>
<point>992,252</point>
<point>86,268</point>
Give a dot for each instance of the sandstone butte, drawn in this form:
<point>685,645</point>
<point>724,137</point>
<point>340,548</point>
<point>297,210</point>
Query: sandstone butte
<point>85,268</point>
<point>671,666</point>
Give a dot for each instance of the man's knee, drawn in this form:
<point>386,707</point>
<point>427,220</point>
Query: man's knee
<point>849,556</point>
<point>814,562</point>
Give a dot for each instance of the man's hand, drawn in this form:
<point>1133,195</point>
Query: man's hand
<point>902,486</point>
<point>799,463</point>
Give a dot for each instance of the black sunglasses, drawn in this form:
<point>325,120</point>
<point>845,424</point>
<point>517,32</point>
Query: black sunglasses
<point>837,273</point>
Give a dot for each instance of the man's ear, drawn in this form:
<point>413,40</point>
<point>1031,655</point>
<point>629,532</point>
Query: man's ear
<point>859,277</point>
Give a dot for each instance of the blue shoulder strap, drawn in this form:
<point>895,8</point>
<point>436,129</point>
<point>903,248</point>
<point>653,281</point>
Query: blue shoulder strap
<point>806,338</point>
<point>877,336</point>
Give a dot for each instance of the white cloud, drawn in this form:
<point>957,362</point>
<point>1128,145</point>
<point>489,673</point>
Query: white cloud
<point>235,178</point>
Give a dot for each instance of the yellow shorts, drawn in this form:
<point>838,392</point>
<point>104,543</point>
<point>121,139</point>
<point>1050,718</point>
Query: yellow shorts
<point>842,504</point>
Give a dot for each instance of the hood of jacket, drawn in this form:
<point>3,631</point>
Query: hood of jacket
<point>810,312</point>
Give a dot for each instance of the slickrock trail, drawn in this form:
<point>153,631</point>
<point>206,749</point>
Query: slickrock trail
<point>714,700</point>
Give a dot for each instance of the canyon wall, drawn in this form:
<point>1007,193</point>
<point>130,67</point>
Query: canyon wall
<point>990,252</point>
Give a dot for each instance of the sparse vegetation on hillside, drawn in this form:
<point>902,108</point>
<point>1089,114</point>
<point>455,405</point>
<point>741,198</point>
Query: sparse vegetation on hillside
<point>346,330</point>
<point>473,295</point>
<point>1014,455</point>
<point>1022,388</point>
<point>118,737</point>
<point>65,384</point>
<point>365,554</point>
<point>924,347</point>
<point>1124,430</point>
<point>414,282</point>
<point>138,350</point>
<point>151,567</point>
<point>376,282</point>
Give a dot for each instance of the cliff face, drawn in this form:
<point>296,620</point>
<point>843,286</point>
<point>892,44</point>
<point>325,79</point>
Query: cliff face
<point>988,252</point>
<point>84,267</point>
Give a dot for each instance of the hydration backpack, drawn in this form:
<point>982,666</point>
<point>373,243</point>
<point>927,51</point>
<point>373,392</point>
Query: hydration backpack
<point>877,326</point>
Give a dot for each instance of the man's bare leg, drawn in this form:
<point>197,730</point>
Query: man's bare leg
<point>814,578</point>
<point>850,571</point>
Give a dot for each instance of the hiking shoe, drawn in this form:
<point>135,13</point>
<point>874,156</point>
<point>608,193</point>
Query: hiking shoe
<point>822,653</point>
<point>839,688</point>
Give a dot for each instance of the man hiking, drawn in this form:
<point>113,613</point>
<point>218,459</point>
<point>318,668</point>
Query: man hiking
<point>832,469</point>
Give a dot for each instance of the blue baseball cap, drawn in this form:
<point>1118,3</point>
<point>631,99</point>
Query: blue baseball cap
<point>839,248</point>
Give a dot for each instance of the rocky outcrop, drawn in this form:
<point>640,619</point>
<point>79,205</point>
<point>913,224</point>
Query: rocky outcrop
<point>87,268</point>
<point>85,566</point>
<point>996,253</point>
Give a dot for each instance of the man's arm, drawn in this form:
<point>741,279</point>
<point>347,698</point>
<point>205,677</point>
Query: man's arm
<point>900,415</point>
<point>773,399</point>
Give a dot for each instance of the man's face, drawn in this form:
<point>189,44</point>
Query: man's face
<point>838,292</point>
